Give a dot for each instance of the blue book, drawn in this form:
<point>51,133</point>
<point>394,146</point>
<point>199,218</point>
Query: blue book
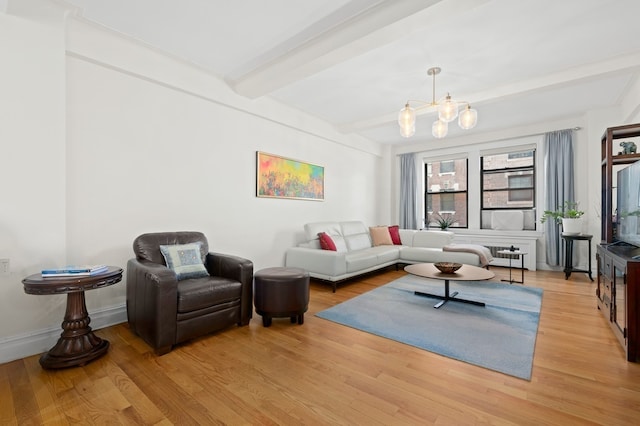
<point>71,271</point>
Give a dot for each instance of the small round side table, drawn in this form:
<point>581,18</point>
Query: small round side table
<point>77,344</point>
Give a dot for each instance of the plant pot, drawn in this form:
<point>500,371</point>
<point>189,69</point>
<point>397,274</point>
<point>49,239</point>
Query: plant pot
<point>571,226</point>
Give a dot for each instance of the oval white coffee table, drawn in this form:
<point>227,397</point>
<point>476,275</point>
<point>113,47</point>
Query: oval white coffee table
<point>465,273</point>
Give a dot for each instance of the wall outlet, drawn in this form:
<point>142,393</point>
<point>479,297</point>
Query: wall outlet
<point>5,267</point>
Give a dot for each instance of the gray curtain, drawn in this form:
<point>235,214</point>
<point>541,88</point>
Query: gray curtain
<point>559,184</point>
<point>408,192</point>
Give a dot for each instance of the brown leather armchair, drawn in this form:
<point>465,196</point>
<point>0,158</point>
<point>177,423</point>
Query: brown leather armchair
<point>165,311</point>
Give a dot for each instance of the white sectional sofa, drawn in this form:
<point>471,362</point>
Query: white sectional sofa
<point>357,255</point>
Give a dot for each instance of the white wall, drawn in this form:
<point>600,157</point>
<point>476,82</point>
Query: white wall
<point>107,139</point>
<point>32,137</point>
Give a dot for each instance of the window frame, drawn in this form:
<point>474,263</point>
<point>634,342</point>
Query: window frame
<point>428,193</point>
<point>533,178</point>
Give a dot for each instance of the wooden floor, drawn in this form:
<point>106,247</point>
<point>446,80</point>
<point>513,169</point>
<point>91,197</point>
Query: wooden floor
<point>325,373</point>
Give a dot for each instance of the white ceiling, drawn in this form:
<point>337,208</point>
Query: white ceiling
<point>354,63</point>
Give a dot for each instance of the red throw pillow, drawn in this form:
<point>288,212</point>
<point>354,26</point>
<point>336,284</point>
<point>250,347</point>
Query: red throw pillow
<point>394,230</point>
<point>326,243</point>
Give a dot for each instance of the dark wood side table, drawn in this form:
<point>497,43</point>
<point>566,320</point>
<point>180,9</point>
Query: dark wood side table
<point>568,254</point>
<point>77,344</point>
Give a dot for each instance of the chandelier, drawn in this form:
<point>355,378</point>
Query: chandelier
<point>447,112</point>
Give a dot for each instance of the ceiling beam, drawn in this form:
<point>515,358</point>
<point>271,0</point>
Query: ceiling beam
<point>337,38</point>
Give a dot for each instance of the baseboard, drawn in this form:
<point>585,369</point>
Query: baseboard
<point>39,341</point>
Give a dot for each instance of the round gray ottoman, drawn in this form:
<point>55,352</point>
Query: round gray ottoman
<point>281,292</point>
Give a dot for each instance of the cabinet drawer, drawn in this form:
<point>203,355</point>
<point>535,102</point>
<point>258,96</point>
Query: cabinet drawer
<point>605,266</point>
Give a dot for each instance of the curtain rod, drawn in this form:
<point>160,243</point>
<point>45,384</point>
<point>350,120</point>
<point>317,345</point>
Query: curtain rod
<point>576,128</point>
<point>535,134</point>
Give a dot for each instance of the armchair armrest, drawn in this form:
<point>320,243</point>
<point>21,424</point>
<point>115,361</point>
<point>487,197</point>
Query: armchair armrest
<point>229,266</point>
<point>238,269</point>
<point>152,293</point>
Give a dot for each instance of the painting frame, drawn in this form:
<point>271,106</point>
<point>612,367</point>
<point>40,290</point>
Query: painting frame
<point>283,177</point>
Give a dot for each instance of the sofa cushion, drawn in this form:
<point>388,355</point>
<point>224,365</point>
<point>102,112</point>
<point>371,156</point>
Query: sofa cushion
<point>386,253</point>
<point>380,236</point>
<point>201,293</point>
<point>184,260</point>
<point>433,255</point>
<point>362,259</point>
<point>326,243</point>
<point>394,231</point>
<point>425,254</point>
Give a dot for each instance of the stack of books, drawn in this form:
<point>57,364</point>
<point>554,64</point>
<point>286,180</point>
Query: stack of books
<point>74,271</point>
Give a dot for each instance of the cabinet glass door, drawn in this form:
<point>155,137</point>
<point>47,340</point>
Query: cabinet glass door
<point>619,302</point>
<point>603,275</point>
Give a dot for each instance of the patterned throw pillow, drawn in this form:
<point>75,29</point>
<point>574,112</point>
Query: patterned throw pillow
<point>184,260</point>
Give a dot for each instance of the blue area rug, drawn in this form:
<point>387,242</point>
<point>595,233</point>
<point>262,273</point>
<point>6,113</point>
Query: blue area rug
<point>500,336</point>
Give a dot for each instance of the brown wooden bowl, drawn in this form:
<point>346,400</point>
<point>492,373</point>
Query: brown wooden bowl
<point>448,267</point>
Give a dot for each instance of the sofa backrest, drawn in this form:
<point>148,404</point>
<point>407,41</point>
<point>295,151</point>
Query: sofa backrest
<point>333,229</point>
<point>356,235</point>
<point>147,246</point>
<point>432,239</point>
<point>311,230</point>
<point>406,236</point>
<point>347,236</point>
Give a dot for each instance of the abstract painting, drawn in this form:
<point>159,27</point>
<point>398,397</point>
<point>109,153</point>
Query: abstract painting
<point>280,177</point>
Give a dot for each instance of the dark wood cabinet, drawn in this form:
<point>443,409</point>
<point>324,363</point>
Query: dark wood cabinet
<point>618,294</point>
<point>618,291</point>
<point>609,160</point>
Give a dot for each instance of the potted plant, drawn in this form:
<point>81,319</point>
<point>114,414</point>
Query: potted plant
<point>445,220</point>
<point>568,215</point>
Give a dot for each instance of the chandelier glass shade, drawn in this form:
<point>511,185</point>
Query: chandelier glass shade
<point>468,118</point>
<point>448,110</point>
<point>439,129</point>
<point>407,121</point>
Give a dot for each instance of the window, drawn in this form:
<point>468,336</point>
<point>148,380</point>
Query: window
<point>522,181</point>
<point>446,191</point>
<point>508,182</point>
<point>447,167</point>
<point>516,155</point>
<point>447,203</point>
